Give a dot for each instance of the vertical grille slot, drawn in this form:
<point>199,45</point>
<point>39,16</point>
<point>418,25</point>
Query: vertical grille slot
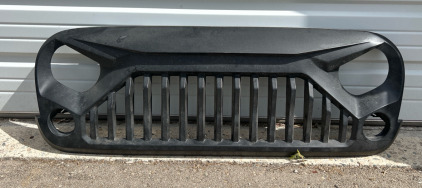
<point>290,109</point>
<point>165,107</point>
<point>253,108</point>
<point>218,107</point>
<point>235,108</point>
<point>342,126</point>
<point>111,115</point>
<point>80,125</point>
<point>271,111</point>
<point>357,128</point>
<point>147,97</point>
<point>201,107</point>
<point>183,106</point>
<point>325,119</point>
<point>130,122</point>
<point>307,111</point>
<point>93,120</point>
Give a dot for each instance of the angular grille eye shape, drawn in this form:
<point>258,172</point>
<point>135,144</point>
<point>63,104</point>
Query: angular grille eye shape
<point>312,55</point>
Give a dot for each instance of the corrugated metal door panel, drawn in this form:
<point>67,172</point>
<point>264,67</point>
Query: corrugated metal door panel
<point>13,31</point>
<point>95,16</point>
<point>24,28</point>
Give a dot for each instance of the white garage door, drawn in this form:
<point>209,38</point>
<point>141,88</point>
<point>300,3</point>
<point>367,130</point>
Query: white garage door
<point>25,26</point>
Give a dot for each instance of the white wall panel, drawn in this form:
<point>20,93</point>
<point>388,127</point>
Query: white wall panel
<point>25,25</point>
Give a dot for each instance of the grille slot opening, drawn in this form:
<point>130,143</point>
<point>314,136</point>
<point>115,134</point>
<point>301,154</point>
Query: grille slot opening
<point>63,121</point>
<point>74,70</point>
<point>375,127</point>
<point>369,70</point>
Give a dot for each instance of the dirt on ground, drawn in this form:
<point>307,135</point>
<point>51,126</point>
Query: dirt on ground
<point>70,173</point>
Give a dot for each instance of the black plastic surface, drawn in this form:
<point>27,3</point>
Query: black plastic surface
<point>313,55</point>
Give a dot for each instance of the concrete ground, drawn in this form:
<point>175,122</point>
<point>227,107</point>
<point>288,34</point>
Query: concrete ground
<point>27,160</point>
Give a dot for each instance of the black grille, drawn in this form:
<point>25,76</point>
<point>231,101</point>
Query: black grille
<point>313,55</point>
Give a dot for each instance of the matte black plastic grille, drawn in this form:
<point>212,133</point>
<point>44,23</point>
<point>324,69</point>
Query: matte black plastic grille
<point>313,55</point>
